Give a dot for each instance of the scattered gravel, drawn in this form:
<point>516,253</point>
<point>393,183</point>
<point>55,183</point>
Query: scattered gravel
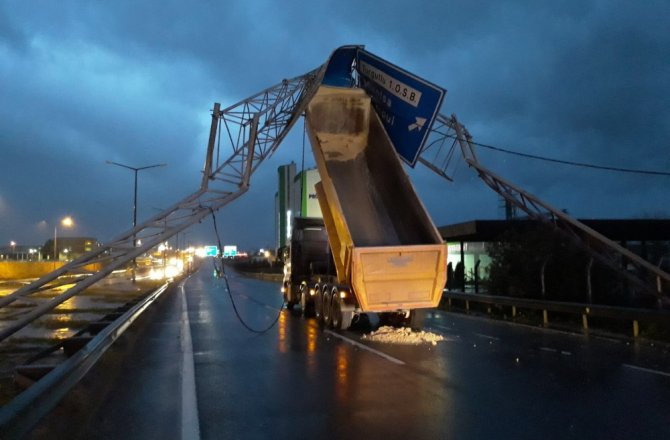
<point>403,335</point>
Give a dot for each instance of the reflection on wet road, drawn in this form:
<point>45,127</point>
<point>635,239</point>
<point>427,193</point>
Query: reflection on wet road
<point>487,380</point>
<point>299,381</point>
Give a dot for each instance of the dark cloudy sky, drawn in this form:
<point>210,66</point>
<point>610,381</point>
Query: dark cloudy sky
<point>83,82</point>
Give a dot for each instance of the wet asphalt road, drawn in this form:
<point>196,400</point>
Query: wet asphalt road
<point>202,374</point>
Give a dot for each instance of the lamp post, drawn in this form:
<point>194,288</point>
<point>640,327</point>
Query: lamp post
<point>67,222</point>
<point>135,170</point>
<point>13,245</point>
<point>183,239</point>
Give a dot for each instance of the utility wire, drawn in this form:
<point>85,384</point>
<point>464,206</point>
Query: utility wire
<point>568,162</point>
<point>221,272</point>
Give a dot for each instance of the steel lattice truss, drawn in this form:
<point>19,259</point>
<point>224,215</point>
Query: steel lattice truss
<point>252,129</point>
<point>438,152</point>
<point>448,133</point>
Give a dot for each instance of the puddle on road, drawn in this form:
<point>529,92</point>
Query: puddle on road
<point>64,321</point>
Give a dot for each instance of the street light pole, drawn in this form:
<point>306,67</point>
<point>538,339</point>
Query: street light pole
<point>135,170</point>
<point>66,222</point>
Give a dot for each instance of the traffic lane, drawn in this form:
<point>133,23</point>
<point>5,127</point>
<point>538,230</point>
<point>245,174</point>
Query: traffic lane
<point>302,380</point>
<point>502,380</point>
<point>296,381</point>
<point>526,339</point>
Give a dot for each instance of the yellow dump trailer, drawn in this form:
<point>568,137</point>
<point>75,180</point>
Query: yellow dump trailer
<point>388,254</point>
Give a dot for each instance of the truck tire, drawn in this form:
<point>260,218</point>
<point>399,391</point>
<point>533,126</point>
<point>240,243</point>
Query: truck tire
<point>347,317</point>
<point>287,297</point>
<point>327,307</point>
<point>306,303</point>
<point>342,315</point>
<point>416,319</point>
<point>336,313</point>
<point>318,304</point>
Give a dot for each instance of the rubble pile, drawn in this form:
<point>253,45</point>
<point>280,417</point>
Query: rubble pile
<point>403,335</point>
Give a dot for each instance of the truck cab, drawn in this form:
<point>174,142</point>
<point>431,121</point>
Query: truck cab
<point>307,257</point>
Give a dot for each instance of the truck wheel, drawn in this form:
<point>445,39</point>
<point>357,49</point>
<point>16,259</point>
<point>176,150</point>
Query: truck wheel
<point>347,317</point>
<point>336,313</point>
<point>341,315</point>
<point>287,299</point>
<point>327,308</point>
<point>417,318</point>
<point>318,304</point>
<point>306,303</point>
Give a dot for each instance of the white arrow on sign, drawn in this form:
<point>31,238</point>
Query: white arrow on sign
<point>418,124</point>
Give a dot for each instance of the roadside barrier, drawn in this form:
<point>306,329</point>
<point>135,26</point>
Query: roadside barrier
<point>21,414</point>
<point>634,315</point>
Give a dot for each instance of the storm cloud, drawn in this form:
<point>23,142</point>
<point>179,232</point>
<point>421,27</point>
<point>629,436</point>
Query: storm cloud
<point>133,82</point>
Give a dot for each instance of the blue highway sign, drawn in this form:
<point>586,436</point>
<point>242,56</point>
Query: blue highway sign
<point>211,251</point>
<point>340,65</point>
<point>406,104</point>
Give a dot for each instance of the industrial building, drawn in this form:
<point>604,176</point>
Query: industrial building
<point>20,252</point>
<point>296,197</point>
<point>69,248</point>
<point>649,238</point>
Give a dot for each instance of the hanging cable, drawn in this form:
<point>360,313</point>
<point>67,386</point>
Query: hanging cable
<point>567,162</point>
<point>221,273</point>
<point>302,165</point>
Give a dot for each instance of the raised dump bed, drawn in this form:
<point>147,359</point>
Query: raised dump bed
<point>384,244</point>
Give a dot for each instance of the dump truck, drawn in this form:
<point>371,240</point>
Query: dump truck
<point>387,255</point>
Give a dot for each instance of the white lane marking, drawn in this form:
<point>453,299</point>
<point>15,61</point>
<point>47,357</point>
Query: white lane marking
<point>190,427</point>
<point>448,334</point>
<point>242,295</point>
<point>647,370</point>
<point>203,353</point>
<point>555,350</point>
<point>487,336</point>
<point>442,327</point>
<point>365,347</point>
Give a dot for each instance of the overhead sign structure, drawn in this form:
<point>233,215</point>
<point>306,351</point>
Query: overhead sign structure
<point>406,104</point>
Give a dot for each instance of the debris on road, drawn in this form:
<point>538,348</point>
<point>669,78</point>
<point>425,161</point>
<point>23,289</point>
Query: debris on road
<point>403,335</point>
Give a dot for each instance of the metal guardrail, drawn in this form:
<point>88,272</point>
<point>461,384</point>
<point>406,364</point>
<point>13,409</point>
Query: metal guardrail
<point>21,414</point>
<point>634,315</point>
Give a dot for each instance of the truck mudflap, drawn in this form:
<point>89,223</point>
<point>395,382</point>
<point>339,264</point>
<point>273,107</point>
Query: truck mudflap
<point>390,278</point>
